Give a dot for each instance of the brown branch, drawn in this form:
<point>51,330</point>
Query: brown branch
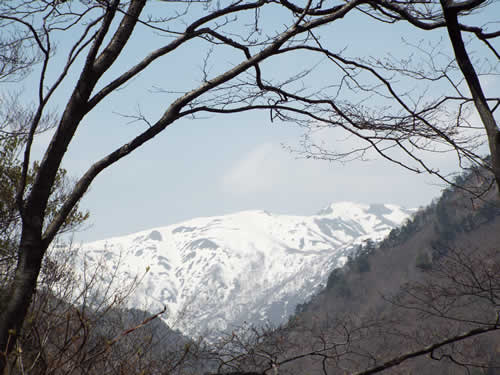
<point>463,5</point>
<point>427,350</point>
<point>109,15</point>
<point>130,330</point>
<point>172,113</point>
<point>309,11</point>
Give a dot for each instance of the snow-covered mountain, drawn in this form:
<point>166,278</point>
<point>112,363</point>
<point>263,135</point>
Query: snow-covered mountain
<point>214,273</point>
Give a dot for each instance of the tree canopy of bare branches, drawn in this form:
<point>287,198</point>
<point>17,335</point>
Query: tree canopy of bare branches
<point>92,35</point>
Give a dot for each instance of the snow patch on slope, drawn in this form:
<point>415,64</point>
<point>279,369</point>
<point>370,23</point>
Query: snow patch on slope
<point>214,273</point>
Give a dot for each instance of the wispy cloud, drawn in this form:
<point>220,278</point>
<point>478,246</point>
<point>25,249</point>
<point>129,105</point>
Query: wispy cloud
<point>273,174</point>
<point>261,170</point>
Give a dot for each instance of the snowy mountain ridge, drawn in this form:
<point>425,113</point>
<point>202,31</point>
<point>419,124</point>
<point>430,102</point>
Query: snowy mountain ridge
<point>214,273</point>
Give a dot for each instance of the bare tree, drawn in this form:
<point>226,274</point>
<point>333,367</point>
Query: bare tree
<point>440,313</point>
<point>99,31</point>
<point>80,324</point>
<point>426,100</point>
<point>450,315</point>
<point>14,121</point>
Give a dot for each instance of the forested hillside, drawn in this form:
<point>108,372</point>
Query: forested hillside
<point>82,325</point>
<point>437,277</point>
<point>423,301</point>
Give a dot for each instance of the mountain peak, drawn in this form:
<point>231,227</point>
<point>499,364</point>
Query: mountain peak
<point>216,272</point>
<point>343,209</point>
<point>357,211</point>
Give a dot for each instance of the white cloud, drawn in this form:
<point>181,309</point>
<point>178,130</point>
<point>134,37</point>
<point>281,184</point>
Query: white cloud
<point>258,171</point>
<point>277,179</point>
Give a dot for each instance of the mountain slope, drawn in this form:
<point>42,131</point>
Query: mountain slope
<point>430,280</point>
<point>216,272</point>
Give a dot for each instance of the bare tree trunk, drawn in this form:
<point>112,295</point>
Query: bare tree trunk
<point>471,77</point>
<point>31,251</point>
<point>33,245</point>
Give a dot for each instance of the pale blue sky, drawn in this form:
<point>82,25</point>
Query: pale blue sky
<point>223,164</point>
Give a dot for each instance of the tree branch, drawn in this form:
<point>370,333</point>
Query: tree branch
<point>427,350</point>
